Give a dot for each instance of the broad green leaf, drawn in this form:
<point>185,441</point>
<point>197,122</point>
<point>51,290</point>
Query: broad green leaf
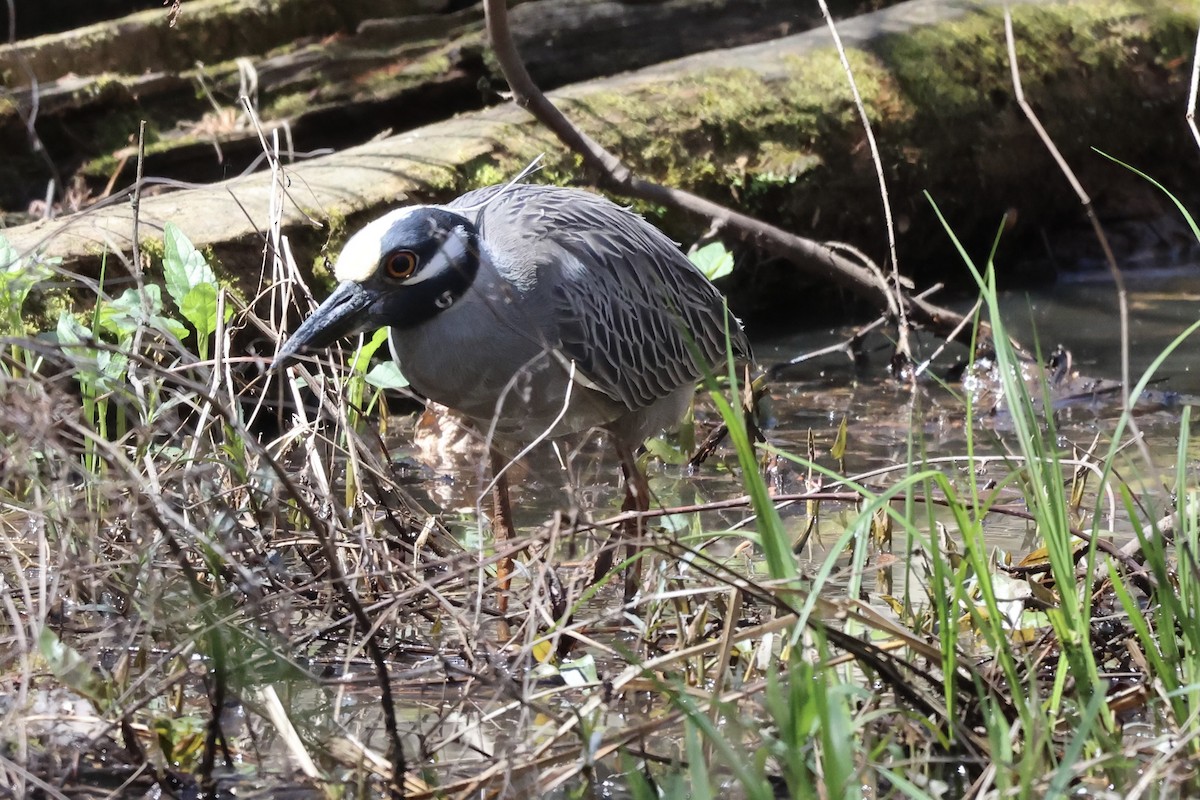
<point>713,260</point>
<point>199,307</point>
<point>68,665</point>
<point>18,276</point>
<point>120,317</point>
<point>8,256</point>
<point>70,331</point>
<point>580,671</point>
<point>386,375</point>
<point>100,367</point>
<point>676,523</point>
<point>184,266</point>
<point>112,366</point>
<point>666,451</point>
<point>134,303</point>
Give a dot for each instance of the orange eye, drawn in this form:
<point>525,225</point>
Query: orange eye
<point>402,264</point>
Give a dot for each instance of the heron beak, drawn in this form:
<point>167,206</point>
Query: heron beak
<point>342,314</point>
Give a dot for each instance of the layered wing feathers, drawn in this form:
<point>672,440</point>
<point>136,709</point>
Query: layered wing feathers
<point>633,313</point>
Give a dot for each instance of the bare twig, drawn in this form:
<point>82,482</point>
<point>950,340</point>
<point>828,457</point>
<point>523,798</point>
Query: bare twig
<point>1086,202</point>
<point>611,174</point>
<point>851,344</point>
<point>1192,89</point>
<point>903,345</point>
<point>135,206</point>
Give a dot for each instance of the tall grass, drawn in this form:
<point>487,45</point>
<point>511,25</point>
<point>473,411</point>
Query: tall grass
<point>1031,705</point>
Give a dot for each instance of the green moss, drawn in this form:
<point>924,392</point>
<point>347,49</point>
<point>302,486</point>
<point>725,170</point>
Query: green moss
<point>430,66</point>
<point>947,68</point>
<point>414,65</point>
<point>337,231</point>
<point>791,149</point>
<point>482,171</point>
<point>287,106</point>
<point>730,134</point>
<point>50,305</point>
<point>153,249</point>
<point>115,131</point>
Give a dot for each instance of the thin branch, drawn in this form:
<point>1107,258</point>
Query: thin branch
<point>1086,202</point>
<point>1192,89</point>
<point>903,345</point>
<point>613,175</point>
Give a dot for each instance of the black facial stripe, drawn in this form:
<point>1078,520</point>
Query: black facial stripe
<point>431,234</point>
<point>425,232</point>
<point>416,303</point>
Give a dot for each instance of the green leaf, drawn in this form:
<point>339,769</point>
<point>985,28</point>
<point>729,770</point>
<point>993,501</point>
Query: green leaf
<point>120,317</point>
<point>184,266</point>
<point>676,523</point>
<point>665,451</point>
<point>8,255</point>
<point>713,260</point>
<point>18,276</point>
<point>68,665</point>
<point>838,451</point>
<point>112,366</point>
<point>365,353</point>
<point>181,740</point>
<point>133,304</point>
<point>103,368</point>
<point>580,671</point>
<point>386,375</point>
<point>70,331</point>
<point>199,307</point>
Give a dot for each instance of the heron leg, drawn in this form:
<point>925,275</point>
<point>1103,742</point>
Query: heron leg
<point>637,498</point>
<point>503,533</point>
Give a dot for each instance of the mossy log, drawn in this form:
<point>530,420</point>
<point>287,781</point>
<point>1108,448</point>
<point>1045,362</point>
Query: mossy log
<point>771,128</point>
<point>333,91</point>
<point>205,30</point>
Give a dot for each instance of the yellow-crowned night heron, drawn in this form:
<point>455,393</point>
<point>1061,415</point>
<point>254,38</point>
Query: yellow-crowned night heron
<point>533,311</point>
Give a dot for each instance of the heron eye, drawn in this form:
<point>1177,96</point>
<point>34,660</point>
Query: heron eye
<point>402,264</point>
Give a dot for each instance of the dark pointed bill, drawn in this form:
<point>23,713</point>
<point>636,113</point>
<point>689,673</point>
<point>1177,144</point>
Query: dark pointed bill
<point>342,314</point>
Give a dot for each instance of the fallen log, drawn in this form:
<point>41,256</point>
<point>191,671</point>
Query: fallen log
<point>344,82</point>
<point>769,125</point>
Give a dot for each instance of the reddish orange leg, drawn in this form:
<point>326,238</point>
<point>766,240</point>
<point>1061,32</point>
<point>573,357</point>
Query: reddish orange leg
<point>637,498</point>
<point>503,533</point>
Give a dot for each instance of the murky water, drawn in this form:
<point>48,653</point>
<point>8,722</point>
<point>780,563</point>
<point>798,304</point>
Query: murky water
<point>1082,317</point>
<point>885,420</point>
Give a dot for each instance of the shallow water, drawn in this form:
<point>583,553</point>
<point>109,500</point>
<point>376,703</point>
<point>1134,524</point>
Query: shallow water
<point>885,422</point>
<point>884,419</point>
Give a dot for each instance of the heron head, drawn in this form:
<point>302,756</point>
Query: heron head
<point>399,271</point>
